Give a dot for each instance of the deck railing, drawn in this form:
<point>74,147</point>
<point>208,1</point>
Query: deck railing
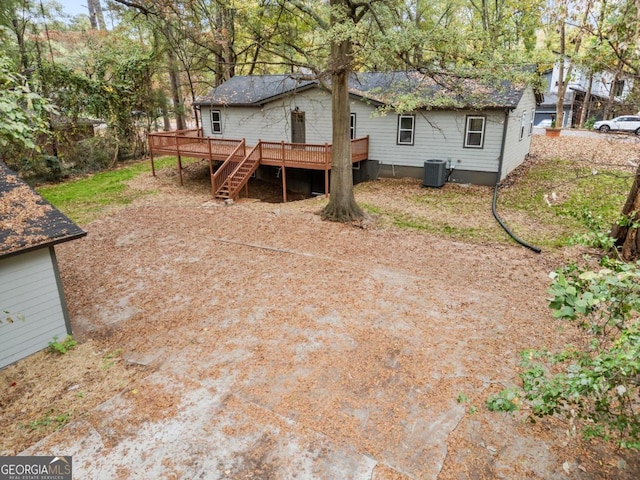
<point>160,140</point>
<point>191,143</point>
<point>360,149</point>
<point>296,153</point>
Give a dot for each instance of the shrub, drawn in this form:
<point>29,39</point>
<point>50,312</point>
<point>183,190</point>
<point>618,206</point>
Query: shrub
<point>91,154</point>
<point>62,347</point>
<point>595,385</point>
<point>588,124</point>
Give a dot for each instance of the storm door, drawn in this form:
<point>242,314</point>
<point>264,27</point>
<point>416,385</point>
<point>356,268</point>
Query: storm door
<point>297,127</point>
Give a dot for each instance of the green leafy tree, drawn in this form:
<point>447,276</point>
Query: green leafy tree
<point>23,112</point>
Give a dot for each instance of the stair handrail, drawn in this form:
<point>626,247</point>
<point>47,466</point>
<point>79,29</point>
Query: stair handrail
<point>244,180</point>
<point>216,184</point>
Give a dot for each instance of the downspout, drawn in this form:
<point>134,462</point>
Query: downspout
<point>495,190</point>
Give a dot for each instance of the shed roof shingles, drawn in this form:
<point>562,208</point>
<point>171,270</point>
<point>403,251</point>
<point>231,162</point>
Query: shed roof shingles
<point>28,221</point>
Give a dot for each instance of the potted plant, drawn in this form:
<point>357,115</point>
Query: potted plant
<point>552,131</point>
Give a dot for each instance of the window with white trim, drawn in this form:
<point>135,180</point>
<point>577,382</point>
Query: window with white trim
<point>406,129</point>
<point>533,115</point>
<point>523,124</point>
<point>618,88</point>
<point>216,121</point>
<point>474,132</point>
<point>352,126</point>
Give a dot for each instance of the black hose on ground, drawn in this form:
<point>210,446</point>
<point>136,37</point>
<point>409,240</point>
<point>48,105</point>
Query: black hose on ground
<point>504,227</point>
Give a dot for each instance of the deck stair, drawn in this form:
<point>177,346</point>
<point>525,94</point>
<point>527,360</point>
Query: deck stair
<point>234,174</point>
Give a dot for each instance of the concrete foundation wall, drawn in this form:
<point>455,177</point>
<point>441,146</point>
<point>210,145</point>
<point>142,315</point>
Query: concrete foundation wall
<point>457,176</point>
<point>312,182</point>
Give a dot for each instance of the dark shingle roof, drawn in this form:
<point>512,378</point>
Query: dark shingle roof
<point>28,221</point>
<point>382,88</point>
<point>254,90</point>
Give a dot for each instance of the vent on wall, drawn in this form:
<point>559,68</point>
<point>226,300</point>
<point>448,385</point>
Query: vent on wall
<point>435,173</point>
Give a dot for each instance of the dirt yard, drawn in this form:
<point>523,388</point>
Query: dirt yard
<point>257,341</point>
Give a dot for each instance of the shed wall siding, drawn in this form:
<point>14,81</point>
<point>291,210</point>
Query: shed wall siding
<point>516,149</point>
<point>29,292</point>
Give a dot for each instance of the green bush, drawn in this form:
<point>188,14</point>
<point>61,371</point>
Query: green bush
<point>37,168</point>
<point>91,154</point>
<point>596,385</point>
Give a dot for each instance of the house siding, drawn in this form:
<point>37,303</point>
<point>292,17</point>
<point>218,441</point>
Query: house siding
<point>439,134</point>
<point>29,292</point>
<point>272,122</point>
<point>517,149</point>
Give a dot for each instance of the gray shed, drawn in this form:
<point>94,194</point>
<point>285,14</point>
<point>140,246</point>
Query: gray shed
<point>32,306</point>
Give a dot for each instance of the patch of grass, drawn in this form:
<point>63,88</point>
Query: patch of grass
<point>576,189</point>
<point>541,205</point>
<point>111,358</point>
<point>463,200</point>
<point>85,199</point>
<point>603,194</point>
<point>371,209</point>
<point>63,346</point>
<point>414,222</point>
<point>56,422</point>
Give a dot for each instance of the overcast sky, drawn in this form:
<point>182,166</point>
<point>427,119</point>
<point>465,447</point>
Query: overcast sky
<point>74,7</point>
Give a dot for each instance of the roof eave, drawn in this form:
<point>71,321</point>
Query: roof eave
<point>260,102</point>
<point>38,246</point>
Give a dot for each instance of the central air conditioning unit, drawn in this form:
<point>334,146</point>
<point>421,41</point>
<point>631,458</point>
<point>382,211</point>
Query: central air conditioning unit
<point>435,173</point>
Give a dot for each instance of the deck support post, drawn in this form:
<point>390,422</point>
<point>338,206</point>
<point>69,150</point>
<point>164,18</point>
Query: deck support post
<point>153,168</point>
<point>179,158</point>
<point>327,162</point>
<point>213,190</point>
<point>284,177</point>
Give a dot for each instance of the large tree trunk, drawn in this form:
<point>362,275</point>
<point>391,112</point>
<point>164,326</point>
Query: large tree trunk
<point>174,77</point>
<point>96,16</point>
<point>562,83</point>
<point>627,237</point>
<point>586,103</point>
<point>225,35</point>
<point>565,77</point>
<point>342,206</point>
<point>19,29</point>
<point>609,108</point>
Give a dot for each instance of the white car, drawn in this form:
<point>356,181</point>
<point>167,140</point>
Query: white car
<point>625,123</point>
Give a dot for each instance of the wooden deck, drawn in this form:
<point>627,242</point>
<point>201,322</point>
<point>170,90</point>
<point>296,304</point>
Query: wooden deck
<point>190,143</point>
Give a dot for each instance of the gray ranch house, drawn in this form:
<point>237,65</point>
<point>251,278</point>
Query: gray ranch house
<point>453,130</point>
<point>32,305</point>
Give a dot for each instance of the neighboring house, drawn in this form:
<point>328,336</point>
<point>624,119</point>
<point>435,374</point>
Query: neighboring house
<point>479,132</point>
<point>575,94</point>
<point>32,306</point>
